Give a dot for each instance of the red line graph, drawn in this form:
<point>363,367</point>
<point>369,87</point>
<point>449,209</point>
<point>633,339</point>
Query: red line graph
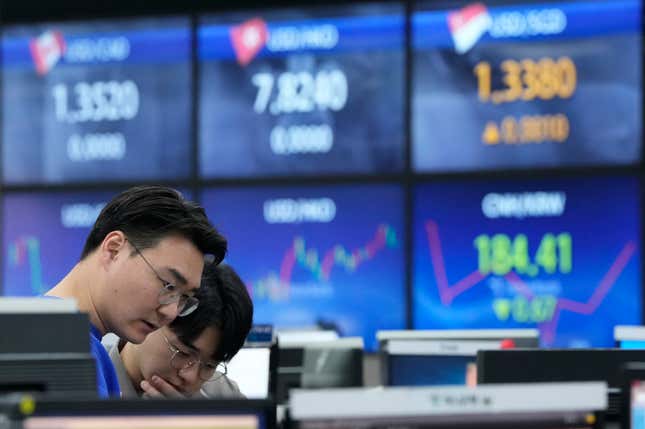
<point>377,243</point>
<point>299,254</point>
<point>447,292</point>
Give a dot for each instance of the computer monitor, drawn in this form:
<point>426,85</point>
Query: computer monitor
<point>261,333</point>
<point>633,396</point>
<point>337,363</point>
<point>558,365</point>
<point>629,336</point>
<point>144,414</point>
<point>250,369</point>
<point>442,357</point>
<point>45,348</point>
<point>297,336</point>
<point>545,406</point>
<point>254,369</point>
<point>518,337</point>
<point>432,362</point>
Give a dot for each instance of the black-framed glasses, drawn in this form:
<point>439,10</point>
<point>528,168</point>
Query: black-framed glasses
<point>169,293</point>
<point>208,371</point>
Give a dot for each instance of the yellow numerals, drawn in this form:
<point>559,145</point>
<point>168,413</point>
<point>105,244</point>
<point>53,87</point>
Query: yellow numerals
<point>527,129</point>
<point>527,80</point>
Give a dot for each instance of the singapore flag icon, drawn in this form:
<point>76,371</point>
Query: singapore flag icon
<point>468,25</point>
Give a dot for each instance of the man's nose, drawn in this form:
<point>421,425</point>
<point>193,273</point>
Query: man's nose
<point>168,312</point>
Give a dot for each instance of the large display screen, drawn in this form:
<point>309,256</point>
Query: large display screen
<point>43,236</point>
<point>562,255</point>
<point>302,91</point>
<point>329,255</point>
<point>526,84</point>
<point>97,101</point>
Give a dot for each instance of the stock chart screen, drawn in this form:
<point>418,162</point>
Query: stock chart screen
<point>306,92</point>
<point>559,255</point>
<point>43,236</point>
<point>96,101</point>
<point>526,84</point>
<point>328,255</point>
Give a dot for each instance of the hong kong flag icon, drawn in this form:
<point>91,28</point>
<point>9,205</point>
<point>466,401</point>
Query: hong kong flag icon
<point>248,38</point>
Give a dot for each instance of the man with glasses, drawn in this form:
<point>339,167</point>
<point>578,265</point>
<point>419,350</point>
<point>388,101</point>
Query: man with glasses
<point>140,267</point>
<point>176,360</point>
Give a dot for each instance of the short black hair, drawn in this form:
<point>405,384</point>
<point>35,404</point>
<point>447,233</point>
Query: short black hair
<point>148,214</point>
<point>225,304</point>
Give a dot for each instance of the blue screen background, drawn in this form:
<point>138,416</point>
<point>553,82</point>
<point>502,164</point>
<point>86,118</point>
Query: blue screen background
<point>430,370</point>
<point>368,132</point>
<point>157,139</point>
<point>602,216</point>
<point>39,249</point>
<point>43,240</point>
<point>604,113</point>
<point>359,300</point>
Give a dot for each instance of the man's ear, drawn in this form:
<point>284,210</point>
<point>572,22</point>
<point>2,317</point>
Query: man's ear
<point>113,244</point>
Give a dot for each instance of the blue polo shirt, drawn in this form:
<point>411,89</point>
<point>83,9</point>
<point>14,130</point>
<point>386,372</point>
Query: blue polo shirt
<point>107,384</point>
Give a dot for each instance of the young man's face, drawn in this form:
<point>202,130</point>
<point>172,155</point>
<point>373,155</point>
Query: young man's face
<point>164,355</point>
<point>130,302</point>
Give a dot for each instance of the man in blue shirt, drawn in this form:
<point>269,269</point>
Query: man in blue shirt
<point>139,269</point>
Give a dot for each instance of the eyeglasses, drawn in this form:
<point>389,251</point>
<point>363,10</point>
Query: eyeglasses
<point>208,371</point>
<point>169,293</point>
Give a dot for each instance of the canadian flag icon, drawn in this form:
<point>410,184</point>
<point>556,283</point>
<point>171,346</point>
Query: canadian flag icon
<point>468,25</point>
<point>46,50</point>
<point>248,38</point>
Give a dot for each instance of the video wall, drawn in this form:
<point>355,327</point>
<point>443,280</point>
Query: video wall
<point>352,155</point>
